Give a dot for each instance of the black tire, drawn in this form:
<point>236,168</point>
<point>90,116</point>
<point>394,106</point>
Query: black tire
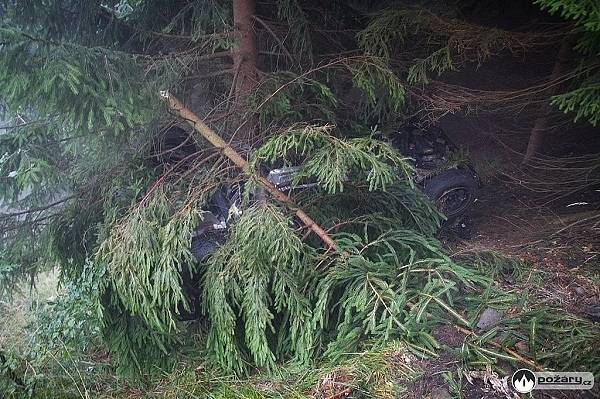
<point>206,244</point>
<point>453,192</point>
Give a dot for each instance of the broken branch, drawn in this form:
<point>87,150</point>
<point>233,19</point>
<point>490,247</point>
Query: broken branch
<point>217,141</point>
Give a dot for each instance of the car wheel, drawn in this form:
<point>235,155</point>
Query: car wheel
<point>453,192</point>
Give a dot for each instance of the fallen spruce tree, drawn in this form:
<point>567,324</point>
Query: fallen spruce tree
<point>267,294</point>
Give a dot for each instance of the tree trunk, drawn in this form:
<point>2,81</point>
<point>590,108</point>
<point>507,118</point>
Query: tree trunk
<point>536,136</point>
<point>245,61</point>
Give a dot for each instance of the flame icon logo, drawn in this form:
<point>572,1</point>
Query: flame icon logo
<point>523,381</point>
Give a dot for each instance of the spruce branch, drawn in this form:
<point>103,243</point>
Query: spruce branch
<point>470,333</point>
<point>240,162</point>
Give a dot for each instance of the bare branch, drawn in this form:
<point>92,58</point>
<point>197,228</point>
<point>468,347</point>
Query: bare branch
<point>38,209</point>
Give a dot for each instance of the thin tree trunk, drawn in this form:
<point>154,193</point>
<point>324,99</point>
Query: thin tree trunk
<point>230,153</point>
<point>536,136</point>
<point>245,60</point>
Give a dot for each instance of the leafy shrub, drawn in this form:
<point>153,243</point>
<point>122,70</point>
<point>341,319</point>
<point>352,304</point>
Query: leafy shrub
<point>70,322</point>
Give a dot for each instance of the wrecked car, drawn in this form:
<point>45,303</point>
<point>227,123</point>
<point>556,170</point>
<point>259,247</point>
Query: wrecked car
<point>451,184</point>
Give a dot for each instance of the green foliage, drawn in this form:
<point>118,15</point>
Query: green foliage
<point>70,321</point>
<point>316,95</point>
<point>65,19</point>
<point>583,102</point>
<point>438,61</point>
<point>73,112</point>
<point>299,27</point>
<point>495,264</point>
<point>445,42</point>
<point>48,332</point>
<point>143,256</point>
<point>12,374</point>
<point>81,189</point>
<point>384,93</point>
<point>379,39</point>
<point>139,249</point>
<point>79,135</point>
<point>561,340</point>
<point>357,209</point>
<point>70,79</point>
<point>203,16</point>
<point>84,192</point>
<point>382,373</point>
<point>20,257</point>
<point>366,295</point>
<point>72,239</point>
<point>585,12</point>
<point>78,171</point>
<point>266,301</point>
<point>10,277</point>
<point>286,97</point>
<point>382,164</point>
<point>253,293</point>
<point>553,338</point>
<point>361,296</point>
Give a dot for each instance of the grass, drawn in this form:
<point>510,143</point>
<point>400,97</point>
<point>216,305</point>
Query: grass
<point>369,374</point>
<point>19,311</point>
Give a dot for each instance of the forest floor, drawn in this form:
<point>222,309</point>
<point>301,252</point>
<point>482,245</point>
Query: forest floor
<point>568,263</point>
<point>565,271</point>
<point>511,219</point>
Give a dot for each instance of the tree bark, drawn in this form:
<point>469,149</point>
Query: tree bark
<point>536,136</point>
<point>245,60</point>
<point>230,153</point>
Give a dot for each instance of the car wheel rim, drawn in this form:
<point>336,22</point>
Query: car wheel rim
<point>453,201</point>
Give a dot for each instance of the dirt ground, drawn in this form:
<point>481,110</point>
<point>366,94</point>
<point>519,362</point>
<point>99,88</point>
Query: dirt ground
<point>509,218</point>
